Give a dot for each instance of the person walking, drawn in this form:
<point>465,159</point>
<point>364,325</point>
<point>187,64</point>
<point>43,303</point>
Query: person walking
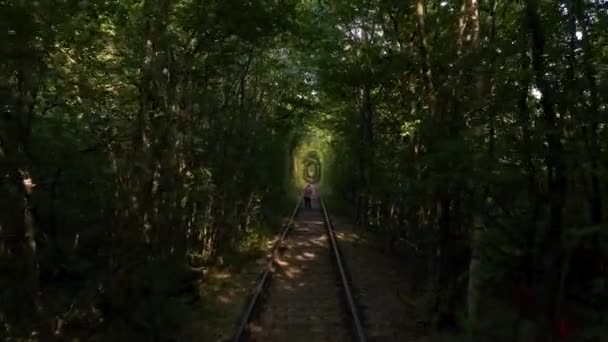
<point>307,195</point>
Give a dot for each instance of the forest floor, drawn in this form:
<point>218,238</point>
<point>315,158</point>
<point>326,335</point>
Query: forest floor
<point>384,289</point>
<point>391,294</point>
<point>226,289</point>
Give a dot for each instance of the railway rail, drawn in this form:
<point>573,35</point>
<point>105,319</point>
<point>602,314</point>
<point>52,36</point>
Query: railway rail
<point>304,291</point>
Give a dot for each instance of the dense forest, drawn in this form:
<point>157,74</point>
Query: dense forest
<point>142,140</point>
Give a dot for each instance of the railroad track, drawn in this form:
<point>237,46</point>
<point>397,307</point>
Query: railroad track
<point>304,293</point>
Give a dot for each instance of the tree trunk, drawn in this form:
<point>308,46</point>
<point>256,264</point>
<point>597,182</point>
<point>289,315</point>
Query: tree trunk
<point>474,286</point>
<point>424,53</point>
<point>550,239</point>
<point>365,156</point>
<point>30,247</point>
<point>596,206</point>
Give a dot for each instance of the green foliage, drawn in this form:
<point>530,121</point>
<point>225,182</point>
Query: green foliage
<point>441,126</point>
<point>173,130</point>
<point>153,131</point>
<point>155,305</point>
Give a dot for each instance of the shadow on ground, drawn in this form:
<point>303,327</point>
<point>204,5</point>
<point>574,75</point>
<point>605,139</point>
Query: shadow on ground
<point>304,301</point>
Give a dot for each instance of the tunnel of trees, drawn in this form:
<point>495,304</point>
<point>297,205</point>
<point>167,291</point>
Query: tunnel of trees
<point>142,140</point>
<point>312,166</point>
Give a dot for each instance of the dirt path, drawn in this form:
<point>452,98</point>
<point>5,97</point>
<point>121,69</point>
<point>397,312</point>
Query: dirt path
<point>305,299</point>
<point>379,286</point>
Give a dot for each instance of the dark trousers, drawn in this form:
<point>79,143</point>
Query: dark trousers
<point>307,203</point>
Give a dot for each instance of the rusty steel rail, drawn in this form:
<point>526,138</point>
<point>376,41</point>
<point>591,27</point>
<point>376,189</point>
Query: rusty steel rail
<point>356,321</point>
<point>263,279</point>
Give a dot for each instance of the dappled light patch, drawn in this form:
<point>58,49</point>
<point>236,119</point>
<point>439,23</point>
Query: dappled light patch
<point>304,296</point>
<point>226,299</point>
<point>292,272</point>
<point>220,275</point>
<point>305,256</point>
<point>316,223</point>
<point>225,291</point>
<point>308,255</point>
<point>282,262</point>
<point>351,237</point>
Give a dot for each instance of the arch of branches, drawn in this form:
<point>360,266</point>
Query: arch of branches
<point>311,171</point>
